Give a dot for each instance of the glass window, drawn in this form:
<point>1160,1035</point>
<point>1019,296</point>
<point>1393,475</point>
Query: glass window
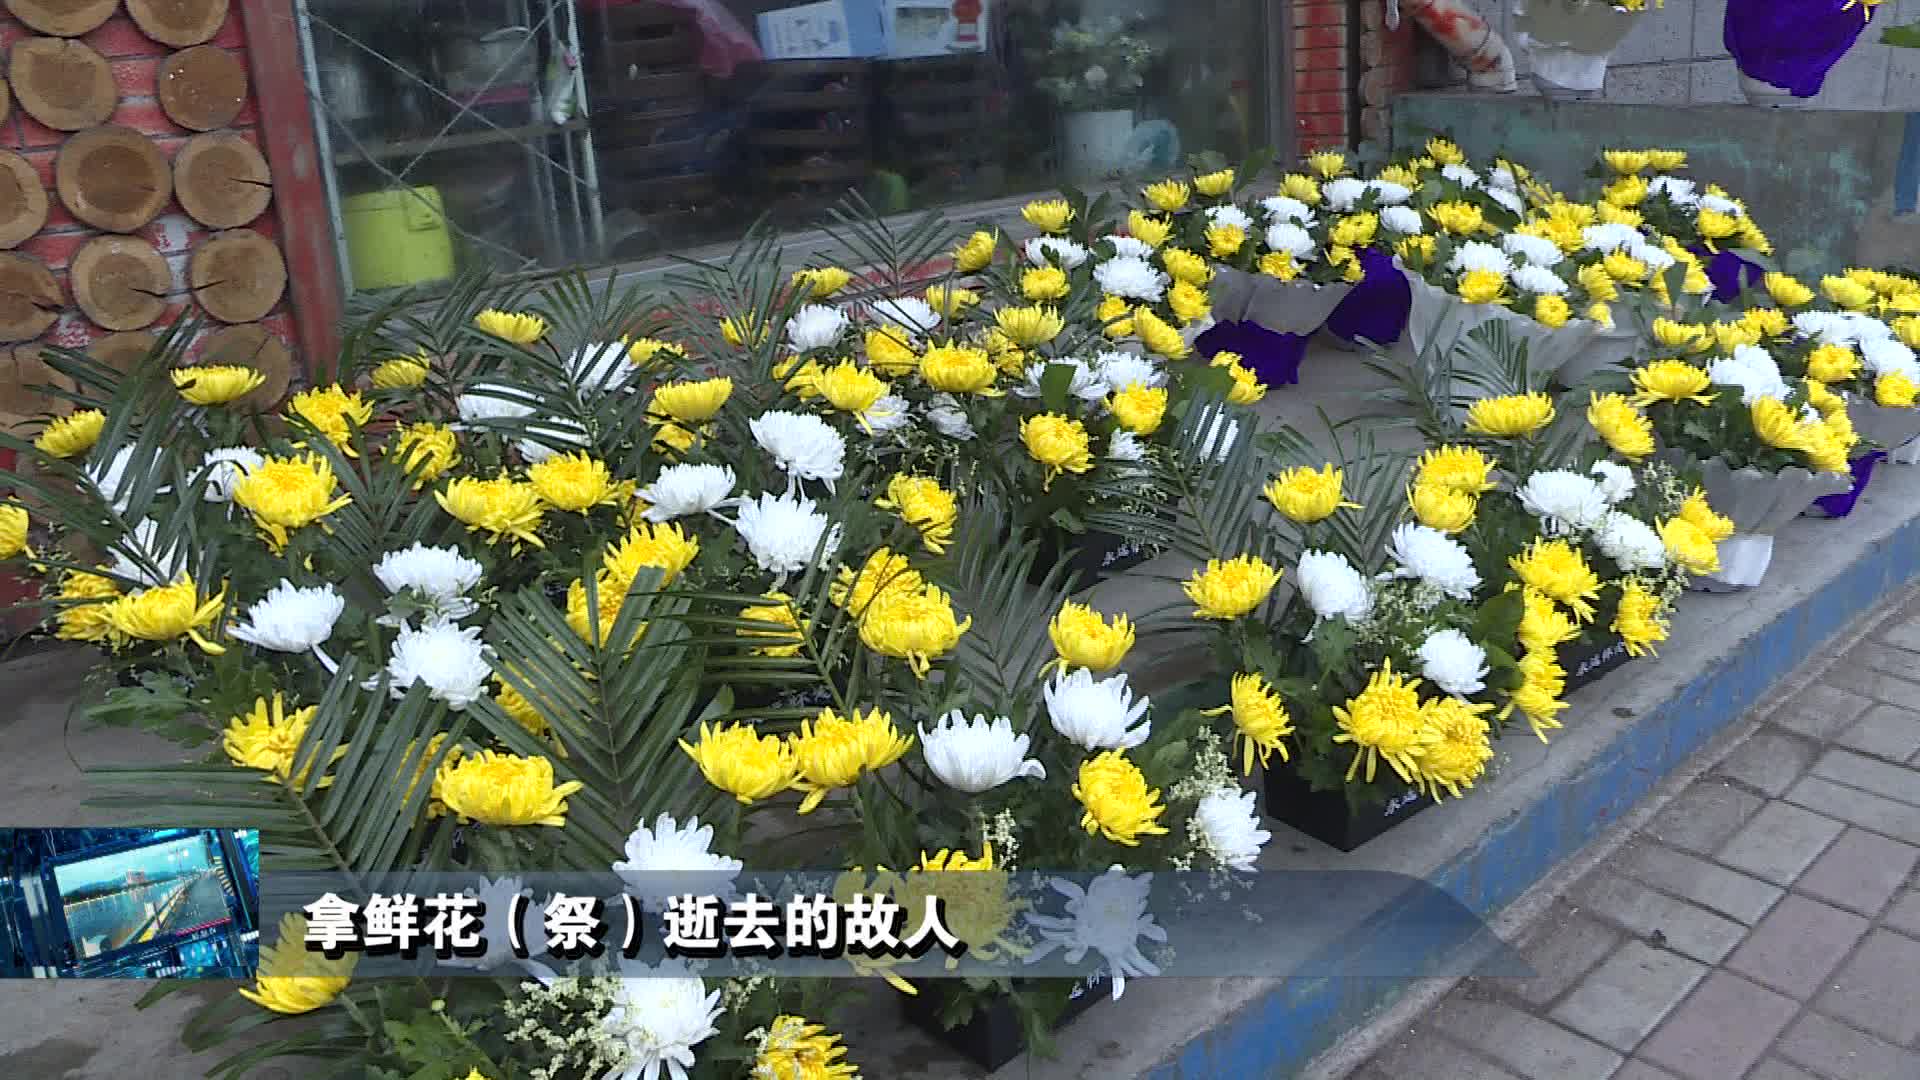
<point>535,134</point>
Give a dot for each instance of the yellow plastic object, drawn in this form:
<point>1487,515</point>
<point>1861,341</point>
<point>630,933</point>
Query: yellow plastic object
<point>397,237</point>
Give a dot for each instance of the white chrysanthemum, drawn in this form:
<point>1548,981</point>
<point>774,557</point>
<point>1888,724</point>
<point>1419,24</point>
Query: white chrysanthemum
<point>909,313</point>
<point>1656,258</point>
<point>669,859</point>
<point>1086,384</point>
<point>291,619</point>
<point>782,533</point>
<point>602,367</point>
<point>1535,250</point>
<point>1130,277</point>
<point>1229,215</point>
<point>138,556</point>
<point>1461,174</point>
<point>1501,178</point>
<point>556,435</point>
<point>1292,239</point>
<point>1866,327</point>
<point>1477,255</point>
<point>1285,208</point>
<point>804,446</point>
<point>1721,204</point>
<point>946,416</point>
<point>1433,558</point>
<point>1110,917</point>
<point>1609,237</point>
<point>1677,190</point>
<point>1615,479</point>
<point>1230,823</point>
<point>1343,194</point>
<point>1753,370</point>
<point>1887,356</point>
<point>492,401</point>
<point>1048,250</point>
<point>1126,446</point>
<point>1630,542</point>
<point>1119,370</point>
<point>1218,440</point>
<point>977,755</point>
<point>1826,327</point>
<point>1404,220</point>
<point>1538,280</point>
<point>1451,661</point>
<point>450,661</point>
<point>110,479</point>
<point>1388,193</point>
<point>440,576</point>
<point>815,326</point>
<point>1096,714</point>
<point>658,1017</point>
<point>225,466</point>
<point>680,490</point>
<point>1130,247</point>
<point>1564,501</point>
<point>1332,587</point>
<point>888,413</point>
<point>1507,199</point>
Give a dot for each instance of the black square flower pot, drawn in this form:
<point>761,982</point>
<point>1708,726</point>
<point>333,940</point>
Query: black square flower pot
<point>992,1036</point>
<point>1326,815</point>
<point>1586,661</point>
<point>1092,557</point>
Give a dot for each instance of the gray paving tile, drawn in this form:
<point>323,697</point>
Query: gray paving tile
<point>1838,1052</point>
<point>1636,1069</point>
<point>1821,710</point>
<point>1624,998</point>
<point>1904,915</point>
<point>1702,817</point>
<point>1904,634</point>
<point>1862,808</point>
<point>1860,871</point>
<point>1425,1052</point>
<point>1661,919</point>
<point>1877,988</point>
<point>1721,1030</point>
<point>1690,877</point>
<point>1526,1044</point>
<point>1769,762</point>
<point>1868,683</point>
<point>1781,841</point>
<point>1892,781</point>
<point>1887,731</point>
<point>1797,945</point>
<point>1563,947</point>
<point>1772,1069</point>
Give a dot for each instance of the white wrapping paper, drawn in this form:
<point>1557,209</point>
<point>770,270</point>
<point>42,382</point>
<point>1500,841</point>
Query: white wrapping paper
<point>1285,307</point>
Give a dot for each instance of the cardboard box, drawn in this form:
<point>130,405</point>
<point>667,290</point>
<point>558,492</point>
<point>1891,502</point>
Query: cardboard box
<point>917,28</point>
<point>826,30</point>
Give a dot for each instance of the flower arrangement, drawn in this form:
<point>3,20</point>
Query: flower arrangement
<point>1094,64</point>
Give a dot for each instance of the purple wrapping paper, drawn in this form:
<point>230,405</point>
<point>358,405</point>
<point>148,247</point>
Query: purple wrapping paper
<point>1729,273</point>
<point>1377,308</point>
<point>1792,44</point>
<point>1273,357</point>
<point>1842,504</point>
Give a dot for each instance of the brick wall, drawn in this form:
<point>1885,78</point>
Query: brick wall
<point>1345,76</point>
<point>135,60</point>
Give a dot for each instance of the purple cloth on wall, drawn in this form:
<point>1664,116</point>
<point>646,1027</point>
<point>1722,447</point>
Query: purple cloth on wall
<point>1272,356</point>
<point>1729,273</point>
<point>1792,44</point>
<point>1377,308</point>
<point>1842,504</point>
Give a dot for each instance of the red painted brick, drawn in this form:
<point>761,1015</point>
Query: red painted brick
<point>42,162</point>
<point>1319,60</point>
<point>1321,81</point>
<point>137,76</point>
<point>55,249</point>
<point>34,134</point>
<point>146,115</point>
<point>1320,37</point>
<point>1334,124</point>
<point>1319,13</point>
<point>119,37</point>
<point>1320,103</point>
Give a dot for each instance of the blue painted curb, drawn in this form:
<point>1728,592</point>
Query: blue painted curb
<point>1281,1033</point>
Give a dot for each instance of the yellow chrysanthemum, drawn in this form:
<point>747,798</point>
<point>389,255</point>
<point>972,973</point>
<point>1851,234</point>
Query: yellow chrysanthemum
<point>1114,314</point>
<point>492,788</point>
<point>1189,302</point>
<point>1558,570</point>
<point>520,328</point>
<point>14,523</point>
<point>1542,681</point>
<point>1307,495</point>
<point>1224,241</point>
<point>1832,363</point>
<point>1894,390</point>
<point>574,482</point>
<point>692,402</point>
<point>85,601</point>
<point>958,369</point>
<point>1029,326</point>
<point>1184,265</point>
<point>1383,723</point>
<point>1461,746</point>
<point>1483,287</point>
<point>1458,218</point>
<point>401,373</point>
<point>1084,638</point>
<point>1355,230</point>
<point>951,300</point>
<point>1689,546</point>
<point>1168,196</point>
<point>1048,215</point>
<point>1159,336</point>
<point>793,1049</point>
<point>975,254</point>
<point>1671,380</point>
<point>1847,292</point>
<point>168,613</point>
<point>1139,408</point>
<point>1058,442</point>
<point>502,508</point>
<point>1778,424</point>
<point>1543,626</point>
<point>1626,429</point>
<point>1302,187</point>
<point>522,711</point>
<point>1599,284</point>
<point>221,384</point>
<point>1415,251</point>
<point>426,452</point>
<point>331,411</point>
<point>289,492</point>
<point>1247,387</point>
<point>1043,283</point>
<point>890,353</point>
<point>1626,191</point>
<point>1715,226</point>
<point>1214,184</point>
<point>1457,468</point>
<point>1768,322</point>
<point>1666,160</point>
<point>652,352</point>
<point>777,611</point>
<point>1442,508</point>
<point>1116,800</point>
<point>268,738</point>
<point>828,754</point>
<point>1510,415</point>
<point>1281,265</point>
<point>292,979</point>
<point>1822,399</point>
<point>883,572</point>
<point>1551,311</point>
<point>1260,720</point>
<point>1149,230</point>
<point>742,762</point>
<point>70,436</point>
<point>1786,290</point>
<point>739,332</point>
<point>1640,620</point>
<point>1230,588</point>
<point>1327,164</point>
<point>1445,151</point>
<point>918,626</point>
<point>922,503</point>
<point>821,282</point>
<point>849,387</point>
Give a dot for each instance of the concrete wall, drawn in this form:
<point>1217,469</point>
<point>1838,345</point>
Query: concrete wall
<point>1674,56</point>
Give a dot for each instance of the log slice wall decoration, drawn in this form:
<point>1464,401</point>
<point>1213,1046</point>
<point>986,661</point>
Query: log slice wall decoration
<point>202,88</point>
<point>222,181</point>
<point>61,82</point>
<point>120,282</point>
<point>113,178</point>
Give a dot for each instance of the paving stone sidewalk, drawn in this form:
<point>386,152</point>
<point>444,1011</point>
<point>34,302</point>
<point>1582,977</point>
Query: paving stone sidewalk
<point>1765,925</point>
